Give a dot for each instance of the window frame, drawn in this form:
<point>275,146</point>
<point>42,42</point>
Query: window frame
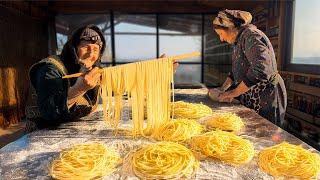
<point>287,44</point>
<point>114,61</point>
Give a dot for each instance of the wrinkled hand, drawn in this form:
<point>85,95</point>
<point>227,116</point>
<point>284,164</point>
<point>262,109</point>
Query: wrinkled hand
<point>214,93</point>
<point>175,64</point>
<point>89,80</point>
<point>226,97</point>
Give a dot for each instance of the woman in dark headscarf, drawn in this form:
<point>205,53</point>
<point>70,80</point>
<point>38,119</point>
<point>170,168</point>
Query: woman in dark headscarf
<point>254,79</point>
<point>55,100</point>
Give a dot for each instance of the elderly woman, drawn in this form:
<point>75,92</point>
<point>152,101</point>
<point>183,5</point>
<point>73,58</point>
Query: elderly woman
<point>254,79</point>
<point>55,100</point>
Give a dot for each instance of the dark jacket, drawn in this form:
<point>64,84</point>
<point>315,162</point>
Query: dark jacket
<point>254,63</point>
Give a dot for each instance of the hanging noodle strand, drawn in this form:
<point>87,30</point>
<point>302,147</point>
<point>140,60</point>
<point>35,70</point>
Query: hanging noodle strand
<point>149,87</point>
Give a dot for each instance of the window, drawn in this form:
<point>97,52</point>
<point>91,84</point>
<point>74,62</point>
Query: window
<point>61,40</point>
<point>188,74</point>
<point>135,37</point>
<point>145,36</point>
<point>306,49</point>
<point>178,34</point>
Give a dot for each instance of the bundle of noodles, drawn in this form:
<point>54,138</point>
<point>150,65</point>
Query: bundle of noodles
<point>148,87</point>
<point>225,121</point>
<point>164,160</point>
<point>290,161</point>
<point>224,146</point>
<point>179,130</point>
<point>186,110</point>
<point>85,161</point>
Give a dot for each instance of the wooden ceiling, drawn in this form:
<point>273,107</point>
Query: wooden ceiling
<point>103,7</point>
<point>146,6</point>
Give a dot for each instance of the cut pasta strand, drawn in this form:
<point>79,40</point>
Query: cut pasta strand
<point>224,146</point>
<point>225,121</point>
<point>179,130</point>
<point>164,160</point>
<point>85,161</point>
<point>185,110</point>
<point>290,161</point>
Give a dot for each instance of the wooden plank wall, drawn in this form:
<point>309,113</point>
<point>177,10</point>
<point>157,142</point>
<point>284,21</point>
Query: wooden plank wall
<point>217,56</point>
<point>23,41</point>
<point>303,111</point>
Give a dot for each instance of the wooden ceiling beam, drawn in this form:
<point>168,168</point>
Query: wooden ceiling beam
<point>152,6</point>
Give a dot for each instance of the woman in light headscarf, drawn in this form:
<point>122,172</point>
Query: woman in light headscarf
<point>254,79</point>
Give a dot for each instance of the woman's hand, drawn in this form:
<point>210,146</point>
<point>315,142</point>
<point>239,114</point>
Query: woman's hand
<point>214,93</point>
<point>227,96</point>
<point>82,85</point>
<point>87,81</point>
<point>175,64</point>
<point>91,79</point>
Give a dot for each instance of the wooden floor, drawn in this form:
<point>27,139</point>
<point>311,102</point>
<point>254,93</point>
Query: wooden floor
<point>11,133</point>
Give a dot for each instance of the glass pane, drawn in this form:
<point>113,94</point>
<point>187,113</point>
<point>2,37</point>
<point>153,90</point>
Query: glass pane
<point>306,31</point>
<point>180,34</point>
<point>175,45</point>
<point>66,24</point>
<point>188,74</point>
<point>217,55</point>
<point>135,23</point>
<point>135,48</point>
<point>61,40</point>
<point>135,37</point>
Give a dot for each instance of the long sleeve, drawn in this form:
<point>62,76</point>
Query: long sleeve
<point>259,55</point>
<point>52,94</point>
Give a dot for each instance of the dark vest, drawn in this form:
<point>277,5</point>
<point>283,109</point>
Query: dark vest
<point>32,109</point>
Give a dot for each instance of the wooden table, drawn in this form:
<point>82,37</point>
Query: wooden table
<point>29,157</point>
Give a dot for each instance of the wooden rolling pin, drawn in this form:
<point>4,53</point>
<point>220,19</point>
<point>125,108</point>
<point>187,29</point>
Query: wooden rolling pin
<point>178,57</point>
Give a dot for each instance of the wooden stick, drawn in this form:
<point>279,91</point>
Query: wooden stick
<point>178,57</point>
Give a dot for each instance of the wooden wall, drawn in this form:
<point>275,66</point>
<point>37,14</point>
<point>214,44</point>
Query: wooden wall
<point>217,56</point>
<point>267,19</point>
<point>23,41</point>
<point>303,111</point>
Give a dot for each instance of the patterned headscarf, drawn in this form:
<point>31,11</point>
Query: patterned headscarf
<point>232,18</point>
<point>89,34</point>
<point>69,55</point>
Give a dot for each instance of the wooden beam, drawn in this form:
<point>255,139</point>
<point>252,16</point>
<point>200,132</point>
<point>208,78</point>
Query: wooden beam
<point>152,6</point>
<point>27,8</point>
<point>301,74</point>
<point>305,89</point>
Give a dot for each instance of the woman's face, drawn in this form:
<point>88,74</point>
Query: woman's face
<point>88,54</point>
<point>226,35</point>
